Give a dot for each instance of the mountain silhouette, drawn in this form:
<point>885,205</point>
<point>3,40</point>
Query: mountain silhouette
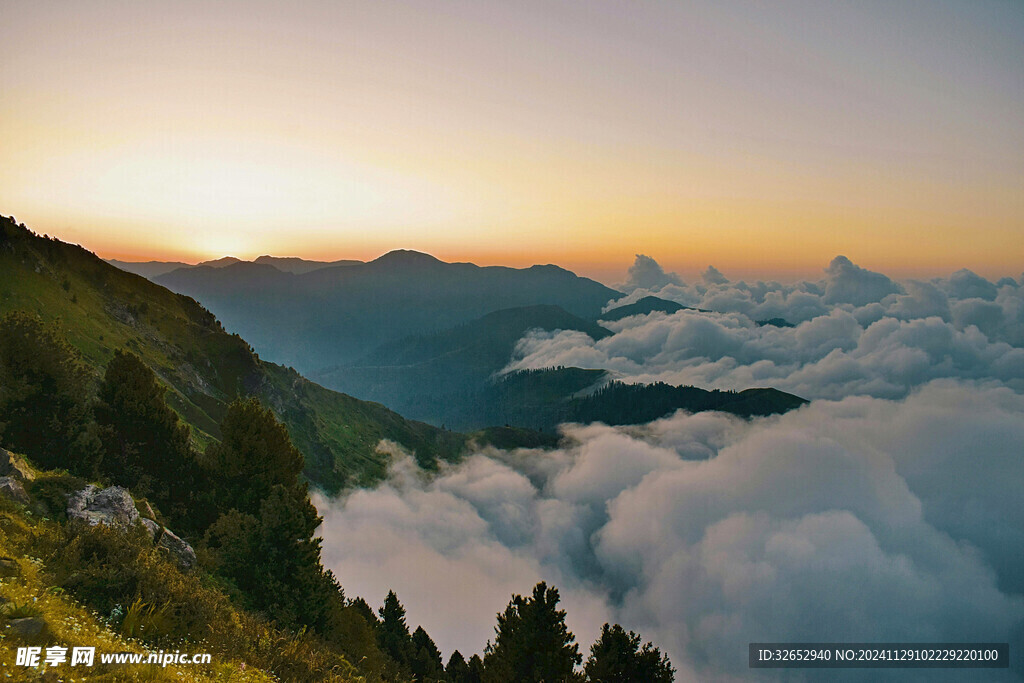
<point>335,315</point>
<point>436,377</point>
<point>648,304</point>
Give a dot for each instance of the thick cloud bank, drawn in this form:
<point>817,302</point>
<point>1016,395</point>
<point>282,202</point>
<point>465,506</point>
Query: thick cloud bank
<point>859,520</point>
<point>646,273</point>
<point>856,333</point>
<point>889,509</point>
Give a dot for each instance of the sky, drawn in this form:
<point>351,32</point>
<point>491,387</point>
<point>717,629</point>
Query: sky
<point>762,138</point>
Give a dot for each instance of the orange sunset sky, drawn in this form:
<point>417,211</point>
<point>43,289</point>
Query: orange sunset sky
<point>763,138</point>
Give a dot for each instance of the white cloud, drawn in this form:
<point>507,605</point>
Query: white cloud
<point>830,356</point>
<point>856,333</point>
<point>860,519</point>
<point>848,283</point>
<point>646,273</point>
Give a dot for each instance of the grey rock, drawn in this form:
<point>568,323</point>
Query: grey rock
<point>179,549</point>
<point>111,506</point>
<point>27,627</point>
<point>152,528</point>
<point>12,465</point>
<point>11,488</point>
<point>114,507</point>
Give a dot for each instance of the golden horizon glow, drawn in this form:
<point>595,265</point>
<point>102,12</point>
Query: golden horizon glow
<point>506,135</point>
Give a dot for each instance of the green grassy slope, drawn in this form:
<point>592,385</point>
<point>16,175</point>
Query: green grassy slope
<point>46,577</point>
<point>101,308</point>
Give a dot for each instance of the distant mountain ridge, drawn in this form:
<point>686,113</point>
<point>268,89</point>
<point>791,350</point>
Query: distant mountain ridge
<point>148,269</point>
<point>648,304</point>
<point>652,304</point>
<point>543,399</point>
<point>292,264</point>
<point>435,377</point>
<point>427,338</point>
<point>335,315</point>
<point>286,264</point>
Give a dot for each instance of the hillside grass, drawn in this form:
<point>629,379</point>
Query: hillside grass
<point>113,590</point>
<point>33,592</point>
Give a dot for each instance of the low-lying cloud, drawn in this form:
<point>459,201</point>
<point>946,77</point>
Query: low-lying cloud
<point>855,333</point>
<point>856,520</point>
<point>646,273</point>
<point>888,509</point>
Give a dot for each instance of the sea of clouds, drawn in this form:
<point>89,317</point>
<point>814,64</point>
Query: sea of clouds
<point>888,509</point>
<point>856,333</point>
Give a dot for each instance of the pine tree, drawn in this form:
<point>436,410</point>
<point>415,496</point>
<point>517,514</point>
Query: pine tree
<point>532,642</point>
<point>145,446</point>
<point>393,633</point>
<point>349,630</point>
<point>617,657</point>
<point>457,670</point>
<point>461,671</point>
<point>476,670</point>
<point>426,663</point>
<point>254,454</point>
<point>44,395</point>
<point>263,541</point>
<point>363,608</point>
<point>274,560</point>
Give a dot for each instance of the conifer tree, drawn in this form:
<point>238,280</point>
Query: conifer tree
<point>617,657</point>
<point>532,643</point>
<point>363,608</point>
<point>476,670</point>
<point>44,395</point>
<point>457,670</point>
<point>393,633</point>
<point>461,671</point>
<point>145,446</point>
<point>426,663</point>
<point>254,454</point>
<point>263,541</point>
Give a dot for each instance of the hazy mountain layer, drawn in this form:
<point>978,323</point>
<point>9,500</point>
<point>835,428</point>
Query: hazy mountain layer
<point>148,269</point>
<point>543,399</point>
<point>438,377</point>
<point>299,266</point>
<point>337,314</point>
<point>648,304</point>
<point>153,269</point>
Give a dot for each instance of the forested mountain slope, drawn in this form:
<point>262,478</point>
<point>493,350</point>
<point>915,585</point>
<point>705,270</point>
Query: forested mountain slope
<point>100,308</point>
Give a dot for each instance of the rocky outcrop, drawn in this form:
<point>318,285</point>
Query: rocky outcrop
<point>179,550</point>
<point>12,489</point>
<point>110,506</point>
<point>27,628</point>
<point>14,466</point>
<point>152,528</point>
<point>114,507</point>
